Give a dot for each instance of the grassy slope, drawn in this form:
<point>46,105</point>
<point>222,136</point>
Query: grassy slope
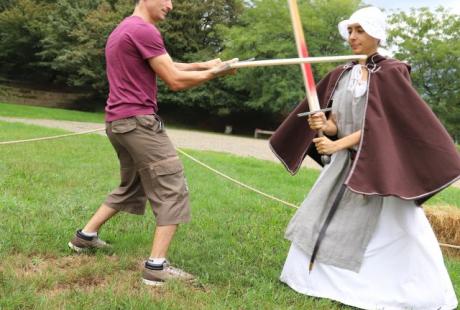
<point>237,234</point>
<point>234,243</point>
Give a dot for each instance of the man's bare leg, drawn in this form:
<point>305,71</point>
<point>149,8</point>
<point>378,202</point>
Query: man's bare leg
<point>161,240</point>
<point>155,271</point>
<point>87,238</point>
<point>102,215</point>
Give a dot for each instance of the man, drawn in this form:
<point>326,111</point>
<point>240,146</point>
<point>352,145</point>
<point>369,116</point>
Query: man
<point>150,167</point>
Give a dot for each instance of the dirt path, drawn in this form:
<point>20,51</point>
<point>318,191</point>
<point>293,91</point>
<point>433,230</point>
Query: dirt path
<point>190,139</point>
<point>197,140</point>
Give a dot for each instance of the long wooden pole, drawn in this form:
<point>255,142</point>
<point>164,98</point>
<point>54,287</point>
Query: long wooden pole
<point>293,61</point>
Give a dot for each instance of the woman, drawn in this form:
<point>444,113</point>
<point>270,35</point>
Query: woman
<point>359,237</point>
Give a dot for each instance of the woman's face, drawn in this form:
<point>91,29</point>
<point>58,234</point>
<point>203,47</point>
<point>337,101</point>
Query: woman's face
<point>360,42</point>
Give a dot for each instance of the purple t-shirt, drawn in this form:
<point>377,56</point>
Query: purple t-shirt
<point>132,82</point>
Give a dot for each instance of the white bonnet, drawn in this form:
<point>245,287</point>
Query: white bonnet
<point>371,19</point>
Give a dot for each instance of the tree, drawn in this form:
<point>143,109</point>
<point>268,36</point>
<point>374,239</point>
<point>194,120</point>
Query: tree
<point>81,60</point>
<point>430,43</point>
<point>190,30</point>
<point>21,31</point>
<point>265,32</point>
<point>60,41</point>
<point>5,4</point>
<point>191,34</point>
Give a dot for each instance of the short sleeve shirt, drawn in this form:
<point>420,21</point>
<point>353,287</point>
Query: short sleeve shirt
<point>132,82</point>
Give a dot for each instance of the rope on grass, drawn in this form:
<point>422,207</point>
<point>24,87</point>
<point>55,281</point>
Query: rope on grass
<point>179,150</point>
<point>52,137</point>
<point>236,181</point>
<point>196,161</point>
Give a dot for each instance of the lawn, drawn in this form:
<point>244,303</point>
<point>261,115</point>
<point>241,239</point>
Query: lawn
<point>234,243</point>
<point>25,111</point>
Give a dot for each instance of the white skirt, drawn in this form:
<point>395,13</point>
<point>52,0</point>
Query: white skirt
<point>403,267</point>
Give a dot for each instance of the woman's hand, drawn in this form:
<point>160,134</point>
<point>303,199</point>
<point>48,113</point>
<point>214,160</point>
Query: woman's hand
<point>325,146</point>
<point>318,121</point>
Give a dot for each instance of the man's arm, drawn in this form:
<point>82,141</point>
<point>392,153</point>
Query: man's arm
<point>197,66</point>
<point>177,79</point>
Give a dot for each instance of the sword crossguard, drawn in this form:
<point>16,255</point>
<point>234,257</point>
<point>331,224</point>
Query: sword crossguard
<point>313,112</point>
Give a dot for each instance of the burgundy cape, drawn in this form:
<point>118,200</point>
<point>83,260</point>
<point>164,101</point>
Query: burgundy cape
<point>404,150</point>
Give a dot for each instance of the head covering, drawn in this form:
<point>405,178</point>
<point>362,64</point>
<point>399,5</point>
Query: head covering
<point>371,19</point>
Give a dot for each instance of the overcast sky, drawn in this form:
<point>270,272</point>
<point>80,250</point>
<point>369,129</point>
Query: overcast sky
<point>405,5</point>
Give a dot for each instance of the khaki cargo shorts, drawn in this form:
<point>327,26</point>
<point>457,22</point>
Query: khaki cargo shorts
<point>150,170</point>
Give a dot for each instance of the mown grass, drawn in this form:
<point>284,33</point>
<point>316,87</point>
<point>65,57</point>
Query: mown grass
<point>25,111</point>
<point>234,243</point>
<point>34,112</point>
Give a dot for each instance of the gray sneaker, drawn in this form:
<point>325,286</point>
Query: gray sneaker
<point>81,242</point>
<point>157,276</point>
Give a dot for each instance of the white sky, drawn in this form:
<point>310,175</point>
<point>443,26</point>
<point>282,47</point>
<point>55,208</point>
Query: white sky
<point>405,5</point>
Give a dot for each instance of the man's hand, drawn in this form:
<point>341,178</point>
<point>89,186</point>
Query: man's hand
<point>325,146</point>
<point>224,68</point>
<point>211,63</point>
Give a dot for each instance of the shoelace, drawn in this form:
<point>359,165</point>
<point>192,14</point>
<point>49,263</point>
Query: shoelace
<point>175,271</point>
<point>172,269</point>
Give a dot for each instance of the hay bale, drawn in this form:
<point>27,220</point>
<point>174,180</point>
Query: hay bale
<point>445,221</point>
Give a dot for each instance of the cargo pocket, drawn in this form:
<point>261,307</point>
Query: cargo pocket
<point>169,179</point>
<point>149,122</point>
<point>124,125</point>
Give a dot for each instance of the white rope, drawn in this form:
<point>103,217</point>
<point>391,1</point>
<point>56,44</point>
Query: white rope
<point>198,162</point>
<point>179,150</point>
<point>237,182</point>
<point>52,137</point>
<point>450,246</point>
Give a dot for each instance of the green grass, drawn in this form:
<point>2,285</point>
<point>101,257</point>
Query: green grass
<point>234,243</point>
<point>33,112</point>
<point>25,111</point>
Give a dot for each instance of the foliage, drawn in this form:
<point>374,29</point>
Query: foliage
<point>265,32</point>
<point>5,4</point>
<point>74,42</point>
<point>430,42</point>
<point>21,32</point>
<point>190,29</point>
<point>191,34</point>
<point>62,41</point>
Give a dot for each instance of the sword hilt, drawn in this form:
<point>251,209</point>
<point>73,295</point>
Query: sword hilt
<point>325,159</point>
<point>313,112</point>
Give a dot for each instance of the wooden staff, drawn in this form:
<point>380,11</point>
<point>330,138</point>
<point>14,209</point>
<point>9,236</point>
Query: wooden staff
<point>292,61</point>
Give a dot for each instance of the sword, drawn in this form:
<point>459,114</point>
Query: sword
<point>314,106</point>
<point>302,50</point>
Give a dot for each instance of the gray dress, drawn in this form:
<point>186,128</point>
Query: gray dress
<point>355,220</point>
